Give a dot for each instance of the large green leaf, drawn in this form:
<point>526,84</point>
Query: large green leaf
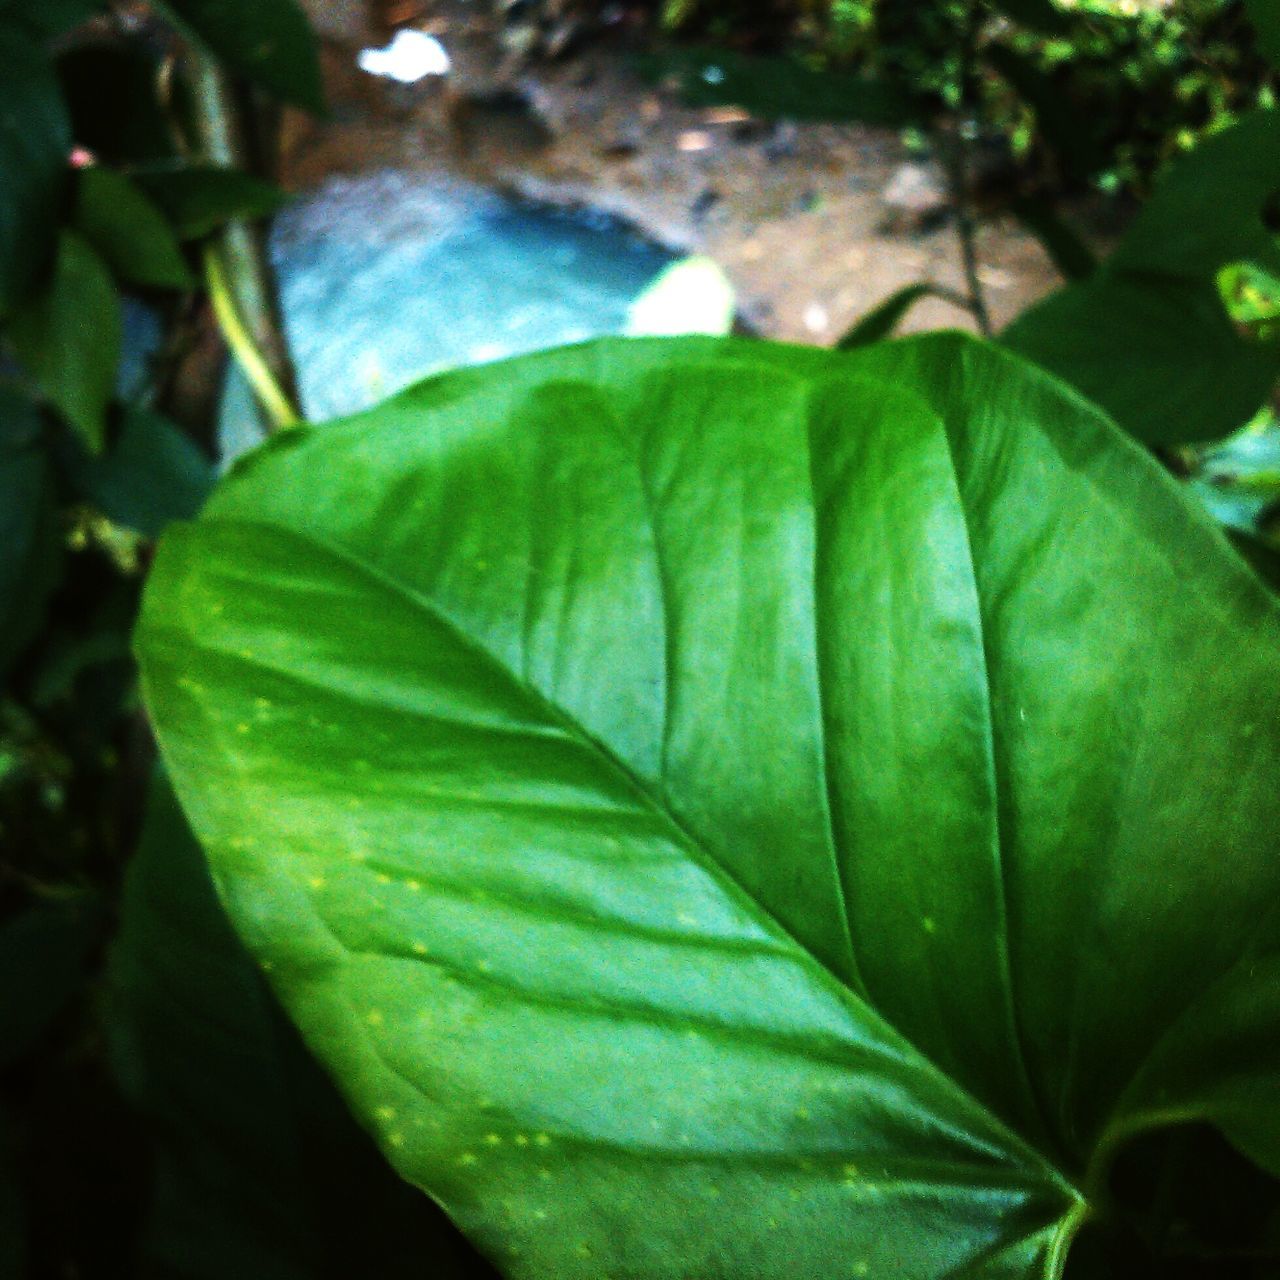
<point>69,338</point>
<point>723,809</point>
<point>1147,335</point>
<point>35,142</point>
<point>269,41</point>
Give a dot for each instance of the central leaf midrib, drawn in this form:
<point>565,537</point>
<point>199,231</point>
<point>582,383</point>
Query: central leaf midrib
<point>685,838</point>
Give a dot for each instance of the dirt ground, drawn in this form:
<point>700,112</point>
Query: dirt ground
<point>814,224</point>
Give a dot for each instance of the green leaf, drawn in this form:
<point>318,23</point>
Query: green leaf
<point>725,809</point>
<point>1208,207</point>
<point>35,143</point>
<point>198,199</point>
<point>151,475</point>
<point>1159,354</point>
<point>268,41</point>
<point>69,338</point>
<point>28,524</point>
<point>779,88</point>
<point>884,318</point>
<point>260,1170</point>
<point>130,233</point>
<point>1184,373</point>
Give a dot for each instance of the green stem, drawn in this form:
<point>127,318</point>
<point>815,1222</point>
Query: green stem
<point>1063,1238</point>
<point>279,408</point>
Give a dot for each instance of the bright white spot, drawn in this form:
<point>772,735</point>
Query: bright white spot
<point>410,57</point>
<point>690,296</point>
<point>816,319</point>
<point>713,75</point>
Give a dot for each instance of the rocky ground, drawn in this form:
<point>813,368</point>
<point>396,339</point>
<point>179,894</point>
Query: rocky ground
<point>814,224</point>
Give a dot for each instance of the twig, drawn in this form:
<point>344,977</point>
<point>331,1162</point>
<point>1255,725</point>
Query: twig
<point>956,147</point>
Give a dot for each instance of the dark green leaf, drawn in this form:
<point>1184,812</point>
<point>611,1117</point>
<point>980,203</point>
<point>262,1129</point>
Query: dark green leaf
<point>1159,354</point>
<point>42,957</point>
<point>261,1173</point>
<point>29,548</point>
<point>1066,249</point>
<point>883,319</point>
<point>268,41</point>
<point>35,143</point>
<point>151,475</point>
<point>723,809</point>
<point>1147,335</point>
<point>69,338</point>
<point>128,231</point>
<point>779,88</point>
<point>1208,207</point>
<point>198,199</point>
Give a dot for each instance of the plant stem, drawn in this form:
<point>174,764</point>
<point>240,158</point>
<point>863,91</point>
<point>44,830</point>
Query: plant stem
<point>241,283</point>
<point>957,150</point>
<point>276,404</point>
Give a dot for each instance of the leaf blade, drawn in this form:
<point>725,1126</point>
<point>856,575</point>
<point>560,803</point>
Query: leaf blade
<point>69,338</point>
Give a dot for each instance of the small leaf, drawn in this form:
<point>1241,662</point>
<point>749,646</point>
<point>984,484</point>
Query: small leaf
<point>726,809</point>
<point>35,143</point>
<point>268,41</point>
<point>129,231</point>
<point>779,88</point>
<point>884,318</point>
<point>199,199</point>
<point>69,338</point>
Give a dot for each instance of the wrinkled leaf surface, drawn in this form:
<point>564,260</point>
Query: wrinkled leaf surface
<point>726,809</point>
